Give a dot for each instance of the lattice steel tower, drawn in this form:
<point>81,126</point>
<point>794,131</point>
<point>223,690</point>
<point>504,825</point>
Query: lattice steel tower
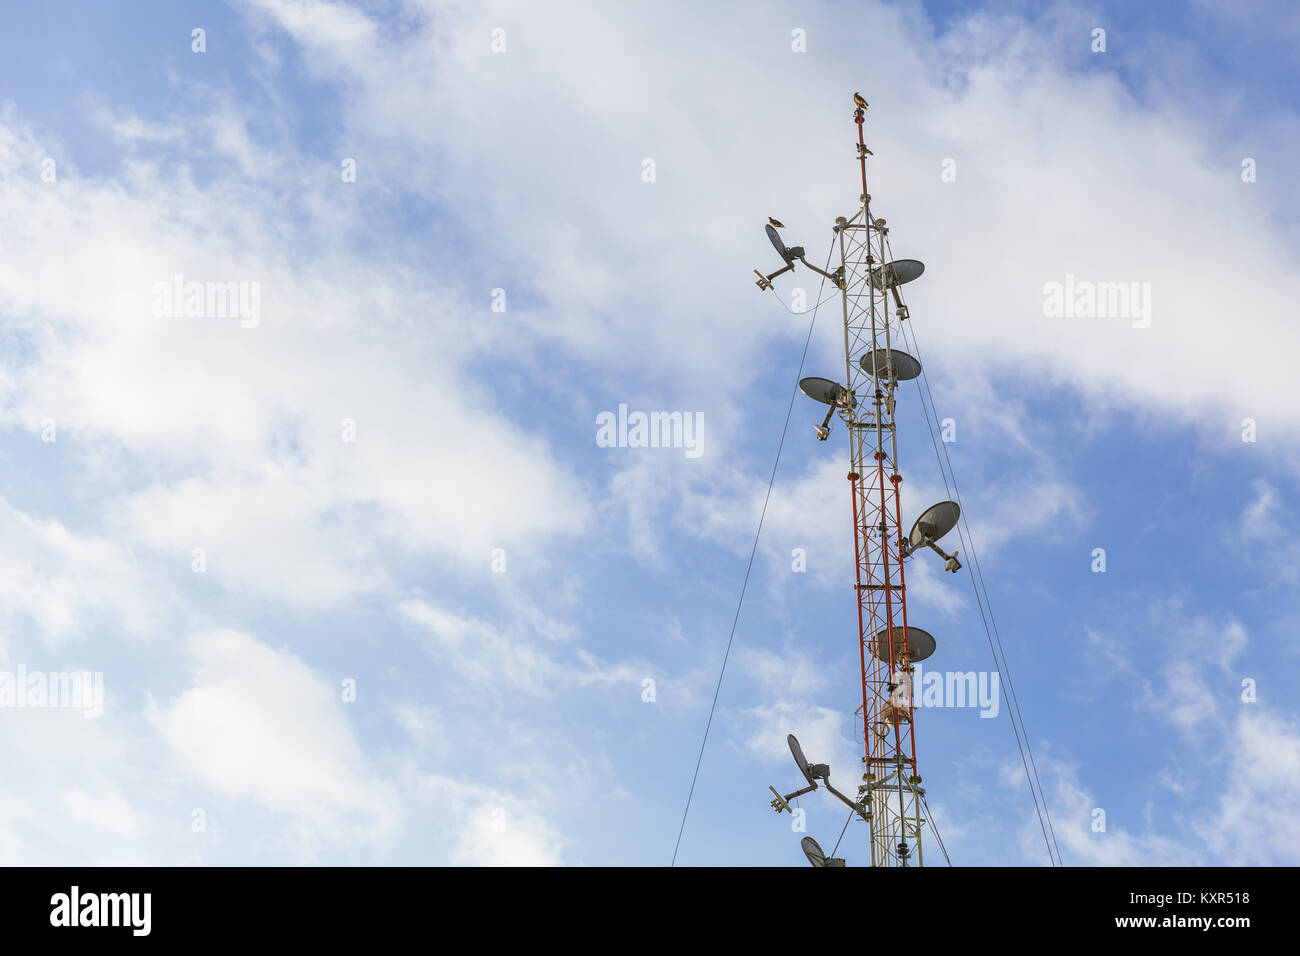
<point>890,798</point>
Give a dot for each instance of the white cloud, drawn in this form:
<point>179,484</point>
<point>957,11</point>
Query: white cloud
<point>786,674</point>
<point>1259,520</point>
<point>269,535</point>
<point>259,725</point>
<point>492,828</point>
<point>87,792</point>
<point>1075,823</point>
<point>992,81</point>
<point>1255,823</point>
<point>60,578</point>
<point>819,730</point>
<point>481,652</point>
<point>1248,821</point>
<point>249,424</point>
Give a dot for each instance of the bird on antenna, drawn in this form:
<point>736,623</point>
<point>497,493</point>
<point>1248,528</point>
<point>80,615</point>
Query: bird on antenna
<point>776,223</point>
<point>857,98</point>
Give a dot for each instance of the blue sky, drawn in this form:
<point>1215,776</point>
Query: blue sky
<point>499,714</point>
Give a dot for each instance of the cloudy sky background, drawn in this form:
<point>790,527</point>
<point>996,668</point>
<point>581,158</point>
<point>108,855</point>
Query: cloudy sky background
<point>499,715</point>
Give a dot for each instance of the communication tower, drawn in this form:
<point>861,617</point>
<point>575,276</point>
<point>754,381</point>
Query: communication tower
<point>890,798</point>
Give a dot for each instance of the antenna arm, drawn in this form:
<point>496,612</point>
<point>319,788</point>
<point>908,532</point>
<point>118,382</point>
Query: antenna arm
<point>855,807</point>
<point>820,272</point>
<point>950,562</point>
<point>910,549</point>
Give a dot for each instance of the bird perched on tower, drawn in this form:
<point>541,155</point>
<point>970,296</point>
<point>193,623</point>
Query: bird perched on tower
<point>857,98</point>
<point>776,223</point>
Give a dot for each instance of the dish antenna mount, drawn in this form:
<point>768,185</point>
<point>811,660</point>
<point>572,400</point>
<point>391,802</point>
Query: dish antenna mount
<point>812,773</point>
<point>893,274</point>
<point>934,523</point>
<point>789,255</point>
<point>828,393</point>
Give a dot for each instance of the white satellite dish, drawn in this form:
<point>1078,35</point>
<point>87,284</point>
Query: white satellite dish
<point>934,523</point>
<point>896,273</point>
<point>890,364</point>
<point>816,857</point>
<point>828,393</point>
<point>920,645</point>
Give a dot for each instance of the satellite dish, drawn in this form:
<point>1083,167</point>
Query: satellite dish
<point>813,851</point>
<point>828,393</point>
<point>816,857</point>
<point>799,758</point>
<point>896,273</point>
<point>789,255</point>
<point>890,363</point>
<point>825,391</point>
<point>934,523</point>
<point>782,251</point>
<point>920,644</point>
